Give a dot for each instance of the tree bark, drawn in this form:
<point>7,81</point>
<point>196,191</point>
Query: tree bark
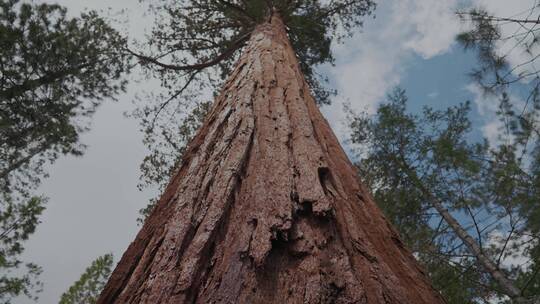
<point>266,207</point>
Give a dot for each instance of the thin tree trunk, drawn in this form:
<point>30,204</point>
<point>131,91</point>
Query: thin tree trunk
<point>18,163</point>
<point>32,84</point>
<point>506,284</point>
<point>266,207</point>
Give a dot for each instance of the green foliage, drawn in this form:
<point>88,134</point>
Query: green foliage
<point>483,38</point>
<point>496,39</point>
<point>89,286</point>
<point>17,222</point>
<point>54,72</point>
<point>492,189</point>
<point>457,280</point>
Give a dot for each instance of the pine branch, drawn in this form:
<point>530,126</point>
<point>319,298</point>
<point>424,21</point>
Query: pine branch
<point>198,66</point>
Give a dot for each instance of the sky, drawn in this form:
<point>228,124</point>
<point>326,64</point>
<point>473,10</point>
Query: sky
<point>94,201</point>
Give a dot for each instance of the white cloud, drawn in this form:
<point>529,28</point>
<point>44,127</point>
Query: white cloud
<point>431,25</point>
<point>374,61</point>
<point>487,106</point>
<point>433,95</point>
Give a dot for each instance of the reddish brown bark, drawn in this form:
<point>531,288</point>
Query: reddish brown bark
<point>266,207</point>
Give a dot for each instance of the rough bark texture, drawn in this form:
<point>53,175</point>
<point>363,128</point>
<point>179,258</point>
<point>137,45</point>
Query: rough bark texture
<point>266,207</point>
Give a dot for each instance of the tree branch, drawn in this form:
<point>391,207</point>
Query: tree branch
<point>237,8</point>
<point>198,66</point>
<point>501,19</point>
<point>44,80</point>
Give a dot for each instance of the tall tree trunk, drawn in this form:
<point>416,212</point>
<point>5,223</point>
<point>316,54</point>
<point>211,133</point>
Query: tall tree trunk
<point>266,207</point>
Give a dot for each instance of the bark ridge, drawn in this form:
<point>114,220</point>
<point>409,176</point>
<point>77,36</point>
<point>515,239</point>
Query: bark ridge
<point>266,207</point>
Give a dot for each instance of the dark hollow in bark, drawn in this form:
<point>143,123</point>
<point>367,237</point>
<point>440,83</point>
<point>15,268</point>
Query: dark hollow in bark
<point>266,207</point>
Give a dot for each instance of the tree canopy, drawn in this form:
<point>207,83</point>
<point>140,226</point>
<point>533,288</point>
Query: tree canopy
<point>412,162</point>
<point>87,288</point>
<point>194,35</point>
<point>54,72</point>
<point>507,48</point>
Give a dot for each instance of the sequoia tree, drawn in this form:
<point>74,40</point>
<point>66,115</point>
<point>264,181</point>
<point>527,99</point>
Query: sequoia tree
<point>265,206</point>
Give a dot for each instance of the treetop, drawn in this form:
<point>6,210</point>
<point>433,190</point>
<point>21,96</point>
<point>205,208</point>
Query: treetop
<point>191,36</point>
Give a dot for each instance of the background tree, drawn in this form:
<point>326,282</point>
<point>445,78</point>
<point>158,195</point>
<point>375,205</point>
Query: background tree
<point>54,72</point>
<point>507,49</point>
<point>86,290</point>
<point>17,222</point>
<point>192,49</point>
<point>420,167</point>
